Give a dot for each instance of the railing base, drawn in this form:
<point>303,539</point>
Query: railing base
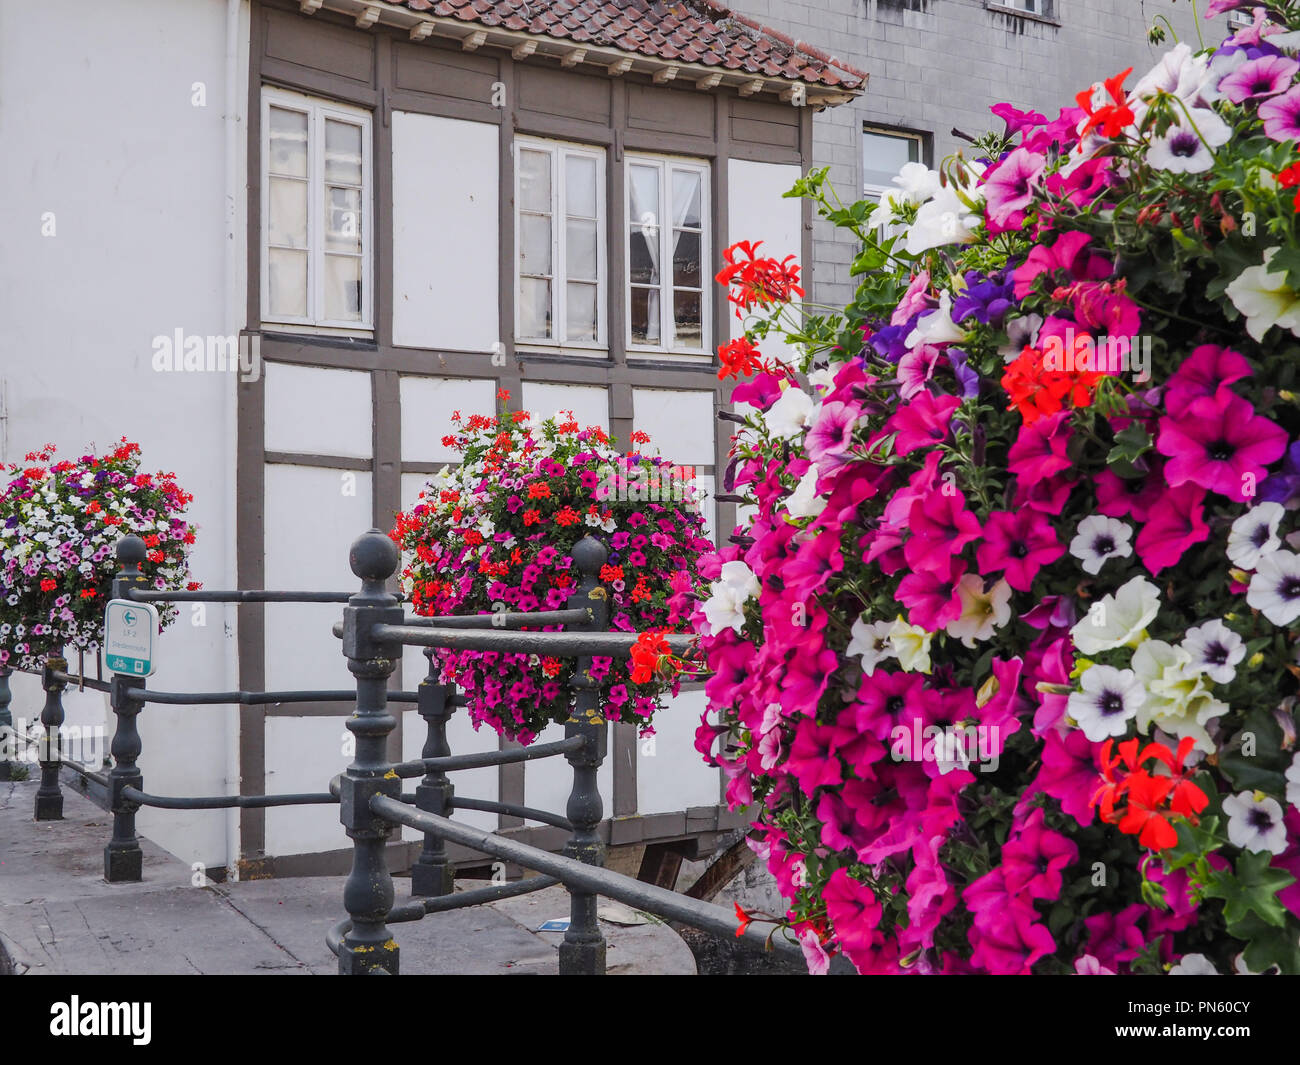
<point>49,807</point>
<point>363,960</point>
<point>6,770</point>
<point>123,865</point>
<point>432,881</point>
<point>582,959</point>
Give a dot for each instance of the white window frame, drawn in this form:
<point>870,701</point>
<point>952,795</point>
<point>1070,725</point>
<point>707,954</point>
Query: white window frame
<point>559,151</point>
<point>318,110</point>
<point>667,325</point>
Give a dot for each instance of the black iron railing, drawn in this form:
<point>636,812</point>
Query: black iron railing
<point>369,793</point>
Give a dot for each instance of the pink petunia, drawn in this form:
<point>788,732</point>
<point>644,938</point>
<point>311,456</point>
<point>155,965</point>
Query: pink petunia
<point>1009,188</point>
<point>922,422</point>
<point>1177,522</point>
<point>1018,543</point>
<point>1281,116</point>
<point>1070,253</point>
<point>1039,450</point>
<point>1035,857</point>
<point>1257,78</point>
<point>931,599</point>
<point>1220,443</point>
<point>941,526</point>
<point>855,916</point>
<point>1203,373</point>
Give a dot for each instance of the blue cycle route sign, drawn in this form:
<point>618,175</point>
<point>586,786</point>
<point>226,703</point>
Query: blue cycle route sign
<point>130,630</point>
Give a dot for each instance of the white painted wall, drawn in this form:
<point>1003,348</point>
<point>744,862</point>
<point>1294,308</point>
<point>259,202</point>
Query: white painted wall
<point>100,131</point>
<point>590,406</point>
<point>756,211</point>
<point>445,245</point>
<point>427,406</point>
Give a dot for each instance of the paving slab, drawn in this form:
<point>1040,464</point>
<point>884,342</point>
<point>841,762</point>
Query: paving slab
<point>59,916</point>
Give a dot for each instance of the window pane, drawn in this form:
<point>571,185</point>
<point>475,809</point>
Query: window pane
<point>580,250</point>
<point>288,142</point>
<point>883,156</point>
<point>343,287</point>
<point>534,307</point>
<point>580,312</point>
<point>286,222</point>
<point>534,244</point>
<point>534,181</point>
<point>580,186</point>
<point>342,152</point>
<point>686,320</point>
<point>686,198</point>
<point>287,283</point>
<point>343,220</point>
<point>686,259</point>
<point>643,310</point>
<point>643,198</point>
<point>643,254</point>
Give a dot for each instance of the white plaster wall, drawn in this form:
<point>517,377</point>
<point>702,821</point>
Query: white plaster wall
<point>756,211</point>
<point>314,411</point>
<point>302,755</point>
<point>590,406</point>
<point>671,775</point>
<point>311,521</point>
<point>427,406</point>
<point>445,247</point>
<point>102,137</point>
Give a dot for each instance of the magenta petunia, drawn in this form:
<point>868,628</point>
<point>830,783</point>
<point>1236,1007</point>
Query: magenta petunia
<point>931,598</point>
<point>1019,543</point>
<point>1220,443</point>
<point>1281,116</point>
<point>1009,188</point>
<point>1177,522</point>
<point>1257,78</point>
<point>923,422</point>
<point>1130,497</point>
<point>1039,450</point>
<point>855,916</point>
<point>1069,253</point>
<point>1034,859</point>
<point>941,526</point>
<point>1203,373</point>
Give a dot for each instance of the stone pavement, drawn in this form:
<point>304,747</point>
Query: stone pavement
<point>57,915</point>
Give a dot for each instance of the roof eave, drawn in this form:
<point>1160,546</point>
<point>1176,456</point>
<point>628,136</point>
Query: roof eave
<point>575,54</point>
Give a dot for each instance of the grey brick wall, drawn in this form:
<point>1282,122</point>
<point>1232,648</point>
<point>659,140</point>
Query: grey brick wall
<point>936,64</point>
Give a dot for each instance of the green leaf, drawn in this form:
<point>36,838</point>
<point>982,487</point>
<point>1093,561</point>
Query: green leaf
<point>1266,946</point>
<point>1251,888</point>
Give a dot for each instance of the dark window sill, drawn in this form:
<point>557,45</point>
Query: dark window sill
<point>1004,9</point>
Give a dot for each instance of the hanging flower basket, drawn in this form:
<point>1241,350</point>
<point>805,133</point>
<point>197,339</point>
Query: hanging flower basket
<point>496,533</point>
<point>59,527</point>
<point>1006,661</point>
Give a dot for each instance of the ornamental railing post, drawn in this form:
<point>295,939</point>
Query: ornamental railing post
<point>8,738</point>
<point>368,946</point>
<point>123,858</point>
<point>432,874</point>
<point>49,798</point>
<point>583,951</point>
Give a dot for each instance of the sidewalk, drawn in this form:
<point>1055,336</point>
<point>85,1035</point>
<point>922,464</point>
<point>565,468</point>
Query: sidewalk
<point>57,915</point>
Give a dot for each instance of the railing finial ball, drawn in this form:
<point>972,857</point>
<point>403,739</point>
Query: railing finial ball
<point>373,556</point>
<point>131,550</point>
<point>589,554</point>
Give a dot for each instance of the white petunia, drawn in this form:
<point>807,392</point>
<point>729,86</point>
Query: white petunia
<point>1108,702</point>
<point>1194,965</point>
<point>1265,298</point>
<point>725,608</point>
<point>911,644</point>
<point>1177,697</point>
<point>1118,619</point>
<point>1255,822</point>
<point>1214,650</point>
<point>804,502</point>
<point>1275,587</point>
<point>917,183</point>
<point>982,612</point>
<point>1293,782</point>
<point>936,326</point>
<point>788,416</point>
<point>871,643</point>
<point>1254,535</point>
<point>1187,147</point>
<point>1098,538</point>
<point>946,219</point>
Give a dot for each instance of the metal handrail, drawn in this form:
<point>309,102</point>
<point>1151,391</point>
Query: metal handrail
<point>576,874</point>
<point>226,802</point>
